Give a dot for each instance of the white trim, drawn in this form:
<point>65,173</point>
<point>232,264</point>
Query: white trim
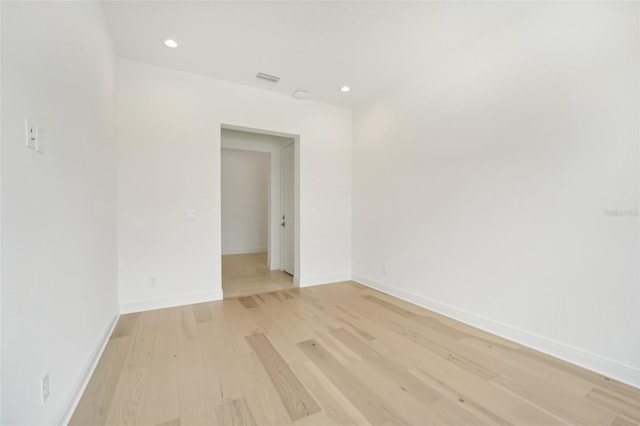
<point>596,363</point>
<point>246,251</point>
<point>284,265</point>
<point>90,367</point>
<point>172,301</point>
<point>307,281</point>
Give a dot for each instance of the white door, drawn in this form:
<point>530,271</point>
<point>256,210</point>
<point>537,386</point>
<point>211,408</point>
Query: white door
<point>288,201</point>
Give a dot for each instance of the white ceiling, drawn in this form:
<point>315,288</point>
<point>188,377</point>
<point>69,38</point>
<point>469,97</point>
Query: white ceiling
<point>317,46</point>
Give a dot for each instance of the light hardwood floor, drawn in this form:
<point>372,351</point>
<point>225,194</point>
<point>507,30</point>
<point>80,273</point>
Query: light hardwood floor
<point>338,354</point>
<point>245,274</point>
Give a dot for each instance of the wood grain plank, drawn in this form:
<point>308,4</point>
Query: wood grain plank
<point>359,331</point>
<point>187,322</point>
<point>614,386</point>
<point>386,366</point>
<point>235,413</point>
<point>624,421</point>
<point>335,405</point>
<point>201,312</point>
<point>467,402</point>
<point>161,402</point>
<point>508,363</point>
<point>249,274</point>
<point>295,397</point>
<point>572,408</point>
<point>530,415</point>
<point>126,408</point>
<point>362,397</point>
<point>95,401</point>
<point>174,422</point>
<point>248,302</point>
<point>390,307</point>
<point>125,325</point>
<point>618,404</point>
<point>196,393</point>
<point>450,353</point>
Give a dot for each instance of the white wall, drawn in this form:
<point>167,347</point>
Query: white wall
<point>59,292</point>
<point>169,160</point>
<point>245,201</point>
<point>483,185</point>
<point>273,146</point>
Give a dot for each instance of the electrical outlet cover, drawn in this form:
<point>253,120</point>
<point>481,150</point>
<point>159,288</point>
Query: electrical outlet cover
<point>46,390</point>
<point>189,215</point>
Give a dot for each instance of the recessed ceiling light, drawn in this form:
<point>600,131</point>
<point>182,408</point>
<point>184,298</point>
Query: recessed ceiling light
<point>345,88</point>
<point>170,43</point>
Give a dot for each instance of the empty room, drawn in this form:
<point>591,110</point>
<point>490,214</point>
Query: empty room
<point>319,213</point>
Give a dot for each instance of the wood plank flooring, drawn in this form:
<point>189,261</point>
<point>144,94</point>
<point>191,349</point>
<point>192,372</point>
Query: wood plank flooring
<point>247,274</point>
<point>338,354</point>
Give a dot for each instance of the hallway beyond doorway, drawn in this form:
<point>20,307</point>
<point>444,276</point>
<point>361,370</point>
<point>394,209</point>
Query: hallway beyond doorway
<point>245,274</point>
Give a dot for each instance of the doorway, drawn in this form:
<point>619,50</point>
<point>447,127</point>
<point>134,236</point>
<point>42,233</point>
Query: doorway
<point>258,211</point>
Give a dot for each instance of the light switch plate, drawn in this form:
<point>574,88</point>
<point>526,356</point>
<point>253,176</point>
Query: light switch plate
<point>39,140</point>
<point>30,134</point>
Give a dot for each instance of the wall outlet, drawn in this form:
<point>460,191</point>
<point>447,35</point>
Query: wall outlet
<point>152,282</point>
<point>46,390</point>
<point>189,215</point>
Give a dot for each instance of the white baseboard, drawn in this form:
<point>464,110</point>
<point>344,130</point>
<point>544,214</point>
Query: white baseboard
<point>245,251</point>
<point>309,281</point>
<point>170,302</point>
<point>88,370</point>
<point>623,373</point>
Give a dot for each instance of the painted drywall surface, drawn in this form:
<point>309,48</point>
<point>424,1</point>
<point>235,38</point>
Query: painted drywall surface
<point>273,146</point>
<point>245,201</point>
<point>169,160</point>
<point>489,182</point>
<point>59,292</point>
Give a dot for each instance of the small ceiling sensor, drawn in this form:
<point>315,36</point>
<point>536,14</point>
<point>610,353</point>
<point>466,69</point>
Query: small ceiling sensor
<point>300,94</point>
<point>345,89</point>
<point>170,43</point>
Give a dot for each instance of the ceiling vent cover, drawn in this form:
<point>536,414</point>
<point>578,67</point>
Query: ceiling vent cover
<point>268,77</point>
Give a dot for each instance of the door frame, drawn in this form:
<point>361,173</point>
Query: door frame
<point>282,207</point>
<point>296,190</point>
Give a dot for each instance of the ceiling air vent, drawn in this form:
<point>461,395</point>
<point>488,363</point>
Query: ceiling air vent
<point>268,77</point>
